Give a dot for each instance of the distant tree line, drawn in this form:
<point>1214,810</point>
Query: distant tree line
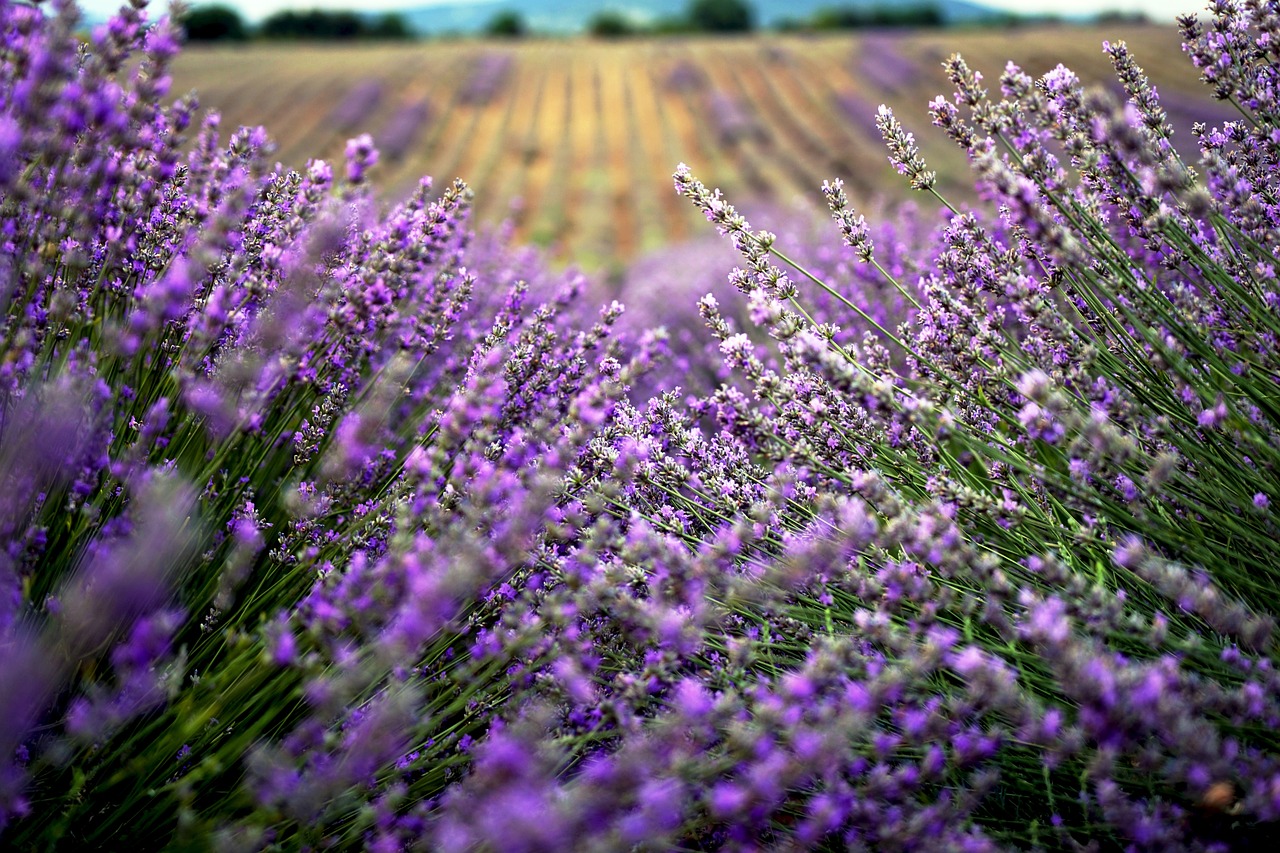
<point>222,23</point>
<point>728,16</point>
<point>857,17</point>
<point>337,25</point>
<point>700,16</point>
<point>507,24</point>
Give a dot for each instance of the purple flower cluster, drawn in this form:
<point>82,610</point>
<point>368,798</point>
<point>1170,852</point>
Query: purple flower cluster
<point>881,63</point>
<point>404,127</point>
<point>242,412</point>
<point>326,525</point>
<point>659,288</point>
<point>488,76</point>
<point>685,76</point>
<point>854,108</point>
<point>731,119</point>
<point>356,106</point>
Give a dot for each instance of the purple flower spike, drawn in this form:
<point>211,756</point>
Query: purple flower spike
<point>361,156</point>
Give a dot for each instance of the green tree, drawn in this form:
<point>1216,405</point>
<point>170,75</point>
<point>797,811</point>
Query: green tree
<point>853,17</point>
<point>791,25</point>
<point>671,25</point>
<point>610,24</point>
<point>721,16</point>
<point>392,26</point>
<point>314,24</point>
<point>286,24</point>
<point>347,25</point>
<point>506,24</point>
<point>214,23</point>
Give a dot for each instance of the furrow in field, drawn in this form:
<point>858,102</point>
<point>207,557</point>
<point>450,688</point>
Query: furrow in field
<point>393,74</point>
<point>680,143</point>
<point>220,86</point>
<point>502,144</point>
<point>625,190</point>
<point>498,176</point>
<point>657,213</point>
<point>922,79</point>
<point>579,227</point>
<point>468,115</point>
<point>823,69</point>
<point>824,72</point>
<point>843,155</point>
<point>663,215</point>
<point>299,117</point>
<point>295,112</point>
<point>489,131</point>
<point>709,161</point>
<point>441,83</point>
<point>732,112</point>
<point>312,132</point>
<point>798,150</point>
<point>547,159</point>
<point>274,103</point>
<point>217,76</point>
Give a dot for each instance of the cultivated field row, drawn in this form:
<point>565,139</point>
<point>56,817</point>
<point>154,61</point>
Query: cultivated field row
<point>574,141</point>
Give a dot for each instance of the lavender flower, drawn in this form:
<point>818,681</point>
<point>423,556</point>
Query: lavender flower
<point>362,155</point>
<point>903,152</point>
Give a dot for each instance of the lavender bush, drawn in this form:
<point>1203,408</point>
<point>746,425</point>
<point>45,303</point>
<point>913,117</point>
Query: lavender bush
<point>248,421</point>
<point>488,76</point>
<point>328,526</point>
<point>403,128</point>
<point>356,106</point>
<point>731,119</point>
<point>658,289</point>
<point>856,110</point>
<point>879,60</point>
<point>685,76</point>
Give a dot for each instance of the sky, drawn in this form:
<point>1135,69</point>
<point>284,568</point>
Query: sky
<point>255,10</point>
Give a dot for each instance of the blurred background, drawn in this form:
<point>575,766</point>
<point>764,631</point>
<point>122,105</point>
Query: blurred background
<point>567,117</point>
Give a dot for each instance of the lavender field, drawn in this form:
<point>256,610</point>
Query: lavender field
<point>333,521</point>
<point>573,140</point>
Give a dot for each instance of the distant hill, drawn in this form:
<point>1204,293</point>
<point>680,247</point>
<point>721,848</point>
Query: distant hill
<point>571,16</point>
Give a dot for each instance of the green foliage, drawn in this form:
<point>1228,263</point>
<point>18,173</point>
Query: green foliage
<point>311,24</point>
<point>391,26</point>
<point>610,24</point>
<point>671,26</point>
<point>1116,16</point>
<point>854,17</point>
<point>721,16</point>
<point>214,23</point>
<point>339,25</point>
<point>507,24</point>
